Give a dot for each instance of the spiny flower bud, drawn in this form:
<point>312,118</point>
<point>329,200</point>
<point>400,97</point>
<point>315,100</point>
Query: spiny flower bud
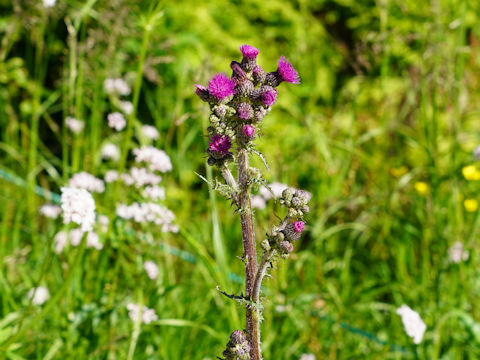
<point>249,57</point>
<point>202,92</point>
<point>285,247</point>
<point>304,195</point>
<point>238,337</point>
<point>305,209</point>
<point>294,231</point>
<point>287,194</point>
<point>238,74</point>
<point>244,111</point>
<point>285,72</point>
<point>258,116</point>
<point>265,244</point>
<point>220,111</point>
<point>258,74</point>
<point>248,131</point>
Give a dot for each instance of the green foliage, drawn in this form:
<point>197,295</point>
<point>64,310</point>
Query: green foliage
<point>388,102</point>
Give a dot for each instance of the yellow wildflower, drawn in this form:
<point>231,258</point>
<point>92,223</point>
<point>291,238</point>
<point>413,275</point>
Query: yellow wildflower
<point>399,172</point>
<point>421,187</point>
<point>471,205</point>
<point>471,172</point>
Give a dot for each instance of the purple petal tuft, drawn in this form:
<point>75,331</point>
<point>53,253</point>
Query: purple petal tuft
<point>221,86</point>
<point>287,72</point>
<point>249,51</point>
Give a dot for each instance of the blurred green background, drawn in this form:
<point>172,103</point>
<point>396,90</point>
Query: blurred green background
<point>385,119</point>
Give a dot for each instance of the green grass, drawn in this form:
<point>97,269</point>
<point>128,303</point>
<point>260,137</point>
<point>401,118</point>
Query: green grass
<point>386,85</point>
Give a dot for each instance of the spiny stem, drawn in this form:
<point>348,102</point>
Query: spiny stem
<point>250,254</point>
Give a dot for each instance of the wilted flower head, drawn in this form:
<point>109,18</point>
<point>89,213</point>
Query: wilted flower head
<point>151,268</point>
<point>150,132</point>
<point>116,121</point>
<point>50,211</point>
<point>221,86</point>
<point>111,151</point>
<point>38,295</point>
<point>78,206</point>
<point>412,322</point>
<point>75,125</point>
<point>219,145</point>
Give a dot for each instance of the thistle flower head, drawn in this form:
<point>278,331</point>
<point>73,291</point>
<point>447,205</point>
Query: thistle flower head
<point>238,72</point>
<point>299,226</point>
<point>269,96</point>
<point>287,72</point>
<point>221,86</point>
<point>244,111</point>
<point>249,51</point>
<point>248,131</point>
<point>258,74</point>
<point>202,92</point>
<point>219,144</point>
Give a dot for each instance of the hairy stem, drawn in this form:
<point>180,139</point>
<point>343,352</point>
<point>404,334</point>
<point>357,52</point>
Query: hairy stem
<point>261,272</point>
<point>249,254</point>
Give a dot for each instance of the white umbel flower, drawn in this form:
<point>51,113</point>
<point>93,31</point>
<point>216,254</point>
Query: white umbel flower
<point>116,86</point>
<point>116,121</point>
<point>457,253</point>
<point>84,180</point>
<point>60,240</point>
<point>76,126</point>
<point>78,206</point>
<point>148,315</point>
<point>307,357</point>
<point>157,160</point>
<point>126,107</point>
<point>38,295</point>
<point>111,176</point>
<point>258,202</point>
<point>412,322</point>
<point>49,3</point>
<point>93,241</point>
<point>154,192</point>
<point>148,212</point>
<point>111,151</point>
<point>51,211</point>
<point>150,132</point>
<point>151,268</point>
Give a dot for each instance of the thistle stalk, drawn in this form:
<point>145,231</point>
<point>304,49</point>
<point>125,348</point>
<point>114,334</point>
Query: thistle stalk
<point>238,106</point>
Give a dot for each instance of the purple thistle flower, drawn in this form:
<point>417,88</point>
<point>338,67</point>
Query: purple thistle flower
<point>249,51</point>
<point>221,86</point>
<point>299,226</point>
<point>219,145</point>
<point>269,96</point>
<point>248,131</point>
<point>287,72</point>
<point>244,111</point>
<point>249,57</point>
<point>202,92</point>
<point>238,73</point>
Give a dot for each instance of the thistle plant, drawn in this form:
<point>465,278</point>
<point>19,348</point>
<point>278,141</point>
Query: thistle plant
<point>238,106</point>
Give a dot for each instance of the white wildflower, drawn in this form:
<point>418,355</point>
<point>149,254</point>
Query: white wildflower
<point>111,176</point>
<point>148,212</point>
<point>116,121</point>
<point>76,236</point>
<point>60,240</point>
<point>148,315</point>
<point>127,179</point>
<point>141,177</point>
<point>457,253</point>
<point>111,151</point>
<point>50,211</point>
<point>258,202</point>
<point>412,322</point>
<point>154,192</point>
<point>38,295</point>
<point>84,180</point>
<point>75,125</point>
<point>157,160</point>
<point>150,132</point>
<point>93,241</point>
<point>104,221</point>
<point>277,189</point>
<point>49,3</point>
<point>78,206</point>
<point>151,268</point>
<point>307,357</point>
<point>116,86</point>
<point>126,107</point>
